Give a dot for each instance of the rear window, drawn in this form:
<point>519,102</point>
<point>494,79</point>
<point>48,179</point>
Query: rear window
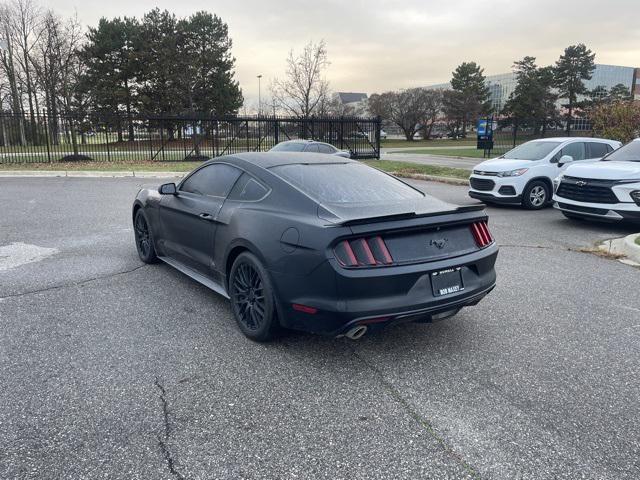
<point>289,147</point>
<point>345,183</point>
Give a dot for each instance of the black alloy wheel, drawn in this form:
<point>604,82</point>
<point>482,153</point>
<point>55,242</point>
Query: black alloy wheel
<point>144,241</point>
<point>252,298</point>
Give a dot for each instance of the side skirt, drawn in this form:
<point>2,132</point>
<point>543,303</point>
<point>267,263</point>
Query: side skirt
<point>198,277</point>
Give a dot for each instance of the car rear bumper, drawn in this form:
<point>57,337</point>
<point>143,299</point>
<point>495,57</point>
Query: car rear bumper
<point>378,297</point>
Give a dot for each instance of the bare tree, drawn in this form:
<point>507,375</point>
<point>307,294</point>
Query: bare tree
<point>408,109</point>
<point>304,91</point>
<point>9,70</point>
<point>24,29</point>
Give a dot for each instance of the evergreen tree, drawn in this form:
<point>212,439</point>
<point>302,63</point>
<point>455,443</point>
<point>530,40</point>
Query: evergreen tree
<point>471,95</point>
<point>110,58</point>
<point>206,79</point>
<point>571,70</point>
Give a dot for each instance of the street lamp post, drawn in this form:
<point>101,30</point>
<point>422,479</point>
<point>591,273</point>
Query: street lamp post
<point>259,96</point>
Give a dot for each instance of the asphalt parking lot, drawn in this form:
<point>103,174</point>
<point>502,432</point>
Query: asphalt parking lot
<point>114,369</point>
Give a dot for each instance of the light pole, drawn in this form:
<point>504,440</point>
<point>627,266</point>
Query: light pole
<point>259,96</point>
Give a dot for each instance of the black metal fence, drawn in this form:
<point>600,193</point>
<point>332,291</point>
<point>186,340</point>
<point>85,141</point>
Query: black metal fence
<point>508,132</point>
<point>46,138</point>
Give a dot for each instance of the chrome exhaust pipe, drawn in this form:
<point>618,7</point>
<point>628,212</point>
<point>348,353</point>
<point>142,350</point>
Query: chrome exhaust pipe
<point>356,332</point>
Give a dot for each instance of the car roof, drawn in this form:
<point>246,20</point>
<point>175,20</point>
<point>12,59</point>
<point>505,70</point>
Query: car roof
<point>274,159</point>
<point>566,139</point>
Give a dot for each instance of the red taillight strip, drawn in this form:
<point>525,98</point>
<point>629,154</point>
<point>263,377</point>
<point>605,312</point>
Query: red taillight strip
<point>481,233</point>
<point>304,308</point>
<point>367,252</point>
<point>350,254</point>
<point>385,251</point>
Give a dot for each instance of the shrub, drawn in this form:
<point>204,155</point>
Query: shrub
<point>618,120</point>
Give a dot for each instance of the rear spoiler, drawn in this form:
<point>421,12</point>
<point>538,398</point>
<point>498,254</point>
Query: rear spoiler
<point>477,207</point>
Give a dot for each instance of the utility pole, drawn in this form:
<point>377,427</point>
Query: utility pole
<point>259,96</point>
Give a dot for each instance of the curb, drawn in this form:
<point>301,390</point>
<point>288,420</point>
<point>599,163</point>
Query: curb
<point>432,178</point>
<point>124,174</point>
<point>626,246</point>
<point>88,174</point>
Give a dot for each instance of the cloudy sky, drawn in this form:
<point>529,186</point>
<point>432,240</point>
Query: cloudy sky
<point>378,45</point>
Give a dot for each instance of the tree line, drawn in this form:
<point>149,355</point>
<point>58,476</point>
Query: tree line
<point>533,103</point>
<point>121,67</point>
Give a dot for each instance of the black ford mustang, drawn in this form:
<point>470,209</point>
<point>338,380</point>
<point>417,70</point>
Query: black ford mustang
<point>317,243</point>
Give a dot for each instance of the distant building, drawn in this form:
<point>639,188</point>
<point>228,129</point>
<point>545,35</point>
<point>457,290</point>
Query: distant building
<point>353,103</point>
<point>502,85</point>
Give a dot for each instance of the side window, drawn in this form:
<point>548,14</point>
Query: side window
<point>313,148</point>
<point>248,189</point>
<point>322,148</point>
<point>215,180</point>
<point>575,150</point>
<point>596,150</point>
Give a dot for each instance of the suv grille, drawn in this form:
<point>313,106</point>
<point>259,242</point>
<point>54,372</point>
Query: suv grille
<point>587,190</point>
<point>482,184</point>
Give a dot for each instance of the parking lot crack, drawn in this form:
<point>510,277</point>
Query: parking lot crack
<point>72,284</point>
<point>422,421</point>
<point>163,438</point>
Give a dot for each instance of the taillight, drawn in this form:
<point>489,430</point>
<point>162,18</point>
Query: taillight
<point>481,234</point>
<point>363,252</point>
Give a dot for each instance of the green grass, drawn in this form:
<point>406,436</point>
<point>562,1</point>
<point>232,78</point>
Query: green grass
<point>407,167</point>
<point>386,165</point>
<point>470,152</point>
<point>105,166</point>
<point>440,142</point>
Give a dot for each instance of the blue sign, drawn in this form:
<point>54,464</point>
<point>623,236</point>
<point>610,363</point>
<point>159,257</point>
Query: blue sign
<point>484,128</point>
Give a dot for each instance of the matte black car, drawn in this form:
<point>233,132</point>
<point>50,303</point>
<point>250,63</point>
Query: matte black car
<point>317,243</point>
<point>309,146</point>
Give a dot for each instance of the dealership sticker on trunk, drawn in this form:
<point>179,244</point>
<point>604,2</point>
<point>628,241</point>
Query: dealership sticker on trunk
<point>446,282</point>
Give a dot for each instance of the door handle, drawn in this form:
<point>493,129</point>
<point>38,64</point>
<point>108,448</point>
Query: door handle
<point>206,216</point>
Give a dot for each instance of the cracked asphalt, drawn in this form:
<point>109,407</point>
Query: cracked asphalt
<point>114,369</point>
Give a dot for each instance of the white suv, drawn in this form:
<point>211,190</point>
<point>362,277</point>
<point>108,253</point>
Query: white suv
<point>608,189</point>
<point>524,176</point>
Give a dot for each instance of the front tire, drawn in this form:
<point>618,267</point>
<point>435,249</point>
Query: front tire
<point>252,298</point>
<point>144,240</point>
<point>536,195</point>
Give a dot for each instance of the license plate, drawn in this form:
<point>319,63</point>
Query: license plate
<point>446,282</point>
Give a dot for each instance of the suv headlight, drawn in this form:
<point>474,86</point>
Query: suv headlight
<point>635,196</point>
<point>513,173</point>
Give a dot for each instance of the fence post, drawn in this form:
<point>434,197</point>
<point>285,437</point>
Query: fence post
<point>276,130</point>
<point>341,133</point>
<point>106,134</point>
<point>515,131</point>
<point>150,142</point>
<point>46,135</point>
<point>246,124</point>
<point>378,128</point>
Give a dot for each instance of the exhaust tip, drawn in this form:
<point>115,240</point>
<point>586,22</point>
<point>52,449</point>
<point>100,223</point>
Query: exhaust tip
<point>356,332</point>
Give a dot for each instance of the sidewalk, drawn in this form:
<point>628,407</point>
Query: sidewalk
<point>90,173</point>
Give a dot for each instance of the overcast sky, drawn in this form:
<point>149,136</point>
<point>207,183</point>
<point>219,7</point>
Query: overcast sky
<point>378,45</point>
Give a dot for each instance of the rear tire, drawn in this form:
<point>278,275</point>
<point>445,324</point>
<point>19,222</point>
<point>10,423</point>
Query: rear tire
<point>536,195</point>
<point>144,240</point>
<point>252,298</point>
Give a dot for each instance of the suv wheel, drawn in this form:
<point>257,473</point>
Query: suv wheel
<point>536,195</point>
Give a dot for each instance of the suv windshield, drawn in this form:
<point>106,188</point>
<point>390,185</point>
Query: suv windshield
<point>531,151</point>
<point>345,183</point>
<point>629,153</point>
<point>289,147</point>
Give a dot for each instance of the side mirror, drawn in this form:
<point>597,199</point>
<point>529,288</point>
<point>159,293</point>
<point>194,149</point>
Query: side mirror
<point>167,189</point>
<point>565,159</point>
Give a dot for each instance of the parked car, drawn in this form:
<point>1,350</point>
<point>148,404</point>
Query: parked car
<point>315,243</point>
<point>383,135</point>
<point>608,189</point>
<point>524,176</point>
<point>309,146</point>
